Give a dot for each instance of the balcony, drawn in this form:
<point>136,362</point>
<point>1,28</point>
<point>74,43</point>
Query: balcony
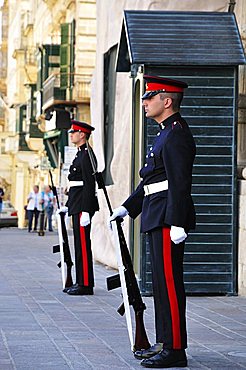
<point>16,143</point>
<point>77,89</point>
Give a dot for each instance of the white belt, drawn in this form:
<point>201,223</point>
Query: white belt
<point>155,188</point>
<point>76,183</point>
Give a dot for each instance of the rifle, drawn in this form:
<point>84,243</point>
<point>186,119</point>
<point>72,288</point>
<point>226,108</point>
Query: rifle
<point>63,246</point>
<point>129,278</point>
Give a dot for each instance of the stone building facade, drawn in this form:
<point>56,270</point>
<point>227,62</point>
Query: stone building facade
<point>44,44</point>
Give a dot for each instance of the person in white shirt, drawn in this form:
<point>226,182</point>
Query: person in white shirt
<point>34,207</point>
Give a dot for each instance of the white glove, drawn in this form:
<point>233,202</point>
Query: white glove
<point>63,209</point>
<point>117,212</point>
<point>177,234</point>
<point>85,219</point>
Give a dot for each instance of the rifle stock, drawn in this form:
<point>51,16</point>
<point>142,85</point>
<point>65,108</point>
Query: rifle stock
<point>134,295</point>
<point>133,292</point>
<point>66,249</point>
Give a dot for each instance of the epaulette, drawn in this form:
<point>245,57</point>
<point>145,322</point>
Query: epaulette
<point>176,124</point>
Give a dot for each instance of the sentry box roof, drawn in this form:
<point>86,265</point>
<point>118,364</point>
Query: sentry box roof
<point>179,38</point>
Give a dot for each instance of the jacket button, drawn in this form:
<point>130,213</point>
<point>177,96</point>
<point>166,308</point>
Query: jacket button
<point>158,134</point>
<point>145,165</point>
<point>152,154</point>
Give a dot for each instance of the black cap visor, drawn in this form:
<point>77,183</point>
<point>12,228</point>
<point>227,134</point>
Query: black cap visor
<point>71,131</point>
<point>150,94</point>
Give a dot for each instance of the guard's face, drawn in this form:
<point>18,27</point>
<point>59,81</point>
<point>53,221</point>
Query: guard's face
<point>154,107</point>
<point>76,137</point>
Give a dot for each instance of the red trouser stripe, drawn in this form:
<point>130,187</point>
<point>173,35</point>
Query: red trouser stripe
<point>84,256</point>
<point>168,270</point>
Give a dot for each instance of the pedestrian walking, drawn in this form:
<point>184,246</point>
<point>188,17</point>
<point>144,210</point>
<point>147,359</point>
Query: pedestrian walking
<point>34,207</point>
<point>163,198</point>
<point>82,204</point>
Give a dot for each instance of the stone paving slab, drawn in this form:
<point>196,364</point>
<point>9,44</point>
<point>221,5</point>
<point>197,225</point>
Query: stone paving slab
<point>41,328</point>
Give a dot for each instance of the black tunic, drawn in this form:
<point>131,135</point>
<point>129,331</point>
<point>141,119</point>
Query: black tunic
<point>171,158</point>
<point>82,198</point>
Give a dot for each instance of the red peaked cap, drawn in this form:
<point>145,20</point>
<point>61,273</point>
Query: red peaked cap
<point>156,85</point>
<point>81,126</point>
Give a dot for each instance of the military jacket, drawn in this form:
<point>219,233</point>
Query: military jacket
<point>171,158</point>
<point>82,198</point>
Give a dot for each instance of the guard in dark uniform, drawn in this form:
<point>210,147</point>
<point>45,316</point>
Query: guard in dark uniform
<point>163,198</point>
<point>82,204</point>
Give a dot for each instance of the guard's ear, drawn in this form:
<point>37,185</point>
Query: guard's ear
<point>168,102</point>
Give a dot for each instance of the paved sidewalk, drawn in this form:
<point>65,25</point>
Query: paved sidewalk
<point>43,328</point>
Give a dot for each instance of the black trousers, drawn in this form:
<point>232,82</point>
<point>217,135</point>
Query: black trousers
<point>30,214</point>
<point>83,253</point>
<point>168,289</point>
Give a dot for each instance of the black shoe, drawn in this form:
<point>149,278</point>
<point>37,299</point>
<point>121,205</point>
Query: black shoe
<point>150,352</point>
<point>167,358</point>
<point>65,290</point>
<point>80,290</point>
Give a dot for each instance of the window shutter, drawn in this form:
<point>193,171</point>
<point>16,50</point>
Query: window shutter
<point>64,55</point>
<point>72,52</point>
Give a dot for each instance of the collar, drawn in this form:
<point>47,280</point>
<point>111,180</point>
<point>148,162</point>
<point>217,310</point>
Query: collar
<point>174,117</point>
<point>81,147</point>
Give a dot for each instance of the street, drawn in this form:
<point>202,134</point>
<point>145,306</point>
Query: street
<point>44,328</point>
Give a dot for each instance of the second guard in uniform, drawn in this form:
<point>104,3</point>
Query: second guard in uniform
<point>82,203</point>
<point>163,198</point>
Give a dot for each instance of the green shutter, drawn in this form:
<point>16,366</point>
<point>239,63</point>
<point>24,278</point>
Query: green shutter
<point>64,54</point>
<point>67,54</point>
<point>45,67</point>
<point>54,142</point>
<point>22,134</point>
<point>72,52</point>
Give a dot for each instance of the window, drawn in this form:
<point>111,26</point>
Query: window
<point>109,105</point>
<point>67,54</point>
<point>48,59</point>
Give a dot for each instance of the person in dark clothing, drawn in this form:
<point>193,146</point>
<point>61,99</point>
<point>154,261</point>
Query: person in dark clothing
<point>1,198</point>
<point>164,200</point>
<point>82,204</point>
